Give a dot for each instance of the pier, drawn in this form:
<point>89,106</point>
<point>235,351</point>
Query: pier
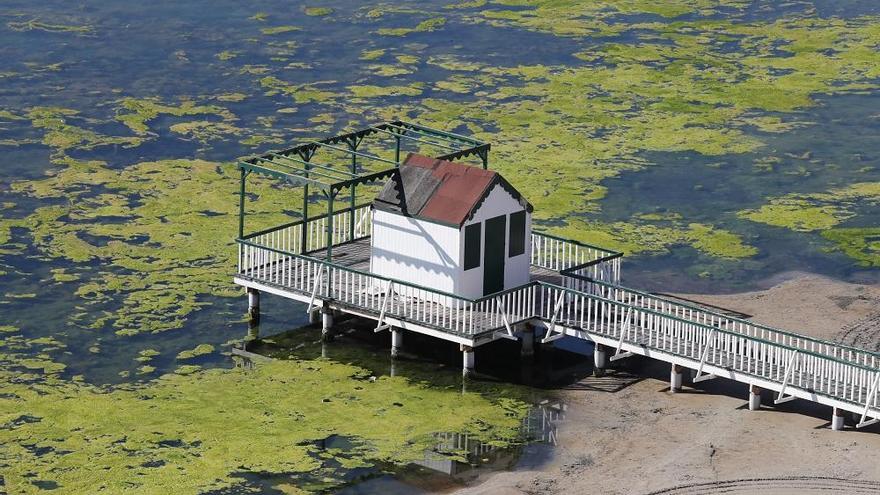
<point>574,291</point>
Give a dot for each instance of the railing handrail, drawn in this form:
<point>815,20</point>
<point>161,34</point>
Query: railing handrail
<point>706,327</point>
<point>735,319</point>
<point>302,221</point>
<point>352,270</point>
<point>578,243</point>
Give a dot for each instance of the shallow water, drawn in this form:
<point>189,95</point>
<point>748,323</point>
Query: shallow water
<point>578,106</point>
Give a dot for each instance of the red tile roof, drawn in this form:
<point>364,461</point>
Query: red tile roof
<point>460,188</point>
<point>439,190</point>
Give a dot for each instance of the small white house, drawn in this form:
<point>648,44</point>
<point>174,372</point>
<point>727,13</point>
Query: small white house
<point>451,227</point>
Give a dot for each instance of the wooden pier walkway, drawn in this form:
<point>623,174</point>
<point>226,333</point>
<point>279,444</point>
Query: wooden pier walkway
<point>574,292</point>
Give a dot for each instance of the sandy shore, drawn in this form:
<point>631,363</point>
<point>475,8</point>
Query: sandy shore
<point>625,433</point>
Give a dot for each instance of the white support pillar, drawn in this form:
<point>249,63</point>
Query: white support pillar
<point>468,360</point>
<point>754,397</point>
<point>675,378</point>
<point>528,342</point>
<point>253,303</point>
<point>600,359</point>
<point>326,323</point>
<point>396,342</point>
<point>837,421</point>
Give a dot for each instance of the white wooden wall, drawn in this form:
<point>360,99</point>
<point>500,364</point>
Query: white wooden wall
<point>424,253</point>
<point>516,269</point>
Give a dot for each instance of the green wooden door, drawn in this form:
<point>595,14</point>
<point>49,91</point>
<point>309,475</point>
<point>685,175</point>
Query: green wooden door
<point>494,255</point>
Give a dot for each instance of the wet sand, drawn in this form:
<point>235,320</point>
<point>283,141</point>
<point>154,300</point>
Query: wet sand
<point>625,433</point>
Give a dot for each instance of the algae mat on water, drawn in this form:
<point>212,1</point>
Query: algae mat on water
<point>205,431</point>
<point>165,228</point>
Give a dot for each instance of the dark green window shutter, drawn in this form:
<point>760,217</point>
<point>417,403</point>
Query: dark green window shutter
<point>517,234</point>
<point>472,246</point>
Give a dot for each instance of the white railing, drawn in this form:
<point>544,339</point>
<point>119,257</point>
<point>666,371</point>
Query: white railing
<point>577,262</point>
<point>843,374</point>
<point>387,297</point>
<point>348,225</point>
<point>739,326</point>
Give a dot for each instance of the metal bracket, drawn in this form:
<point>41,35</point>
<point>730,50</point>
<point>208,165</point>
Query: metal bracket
<point>699,377</point>
<point>550,338</point>
<point>871,394</point>
<point>380,325</point>
<point>623,329</point>
<point>318,275</point>
<point>781,397</point>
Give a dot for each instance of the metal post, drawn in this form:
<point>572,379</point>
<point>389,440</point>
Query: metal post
<point>754,397</point>
<point>330,225</point>
<point>304,233</point>
<point>353,144</point>
<point>397,151</point>
<point>485,156</point>
<point>241,206</point>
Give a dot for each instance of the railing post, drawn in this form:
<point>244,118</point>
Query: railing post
<point>241,205</point>
<point>329,225</point>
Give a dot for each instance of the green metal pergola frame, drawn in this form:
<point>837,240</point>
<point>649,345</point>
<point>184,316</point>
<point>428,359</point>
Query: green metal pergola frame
<point>296,166</point>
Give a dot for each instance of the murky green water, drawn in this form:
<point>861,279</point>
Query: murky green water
<point>719,144</point>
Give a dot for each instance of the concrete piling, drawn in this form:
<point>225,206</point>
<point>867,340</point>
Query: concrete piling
<point>396,342</point>
<point>837,419</point>
<point>754,397</point>
<point>326,323</point>
<point>253,303</point>
<point>468,360</point>
<point>600,359</point>
<point>675,378</point>
<point>527,350</point>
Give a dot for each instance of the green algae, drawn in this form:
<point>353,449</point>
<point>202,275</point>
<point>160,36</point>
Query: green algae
<point>205,130</point>
<point>815,211</point>
<point>372,54</point>
<point>318,11</point>
<point>367,91</point>
<point>301,93</point>
<point>62,136</point>
<point>196,433</point>
<point>231,97</point>
<point>279,30</point>
<point>157,282</point>
<point>199,350</point>
<point>146,355</point>
<point>227,55</point>
<point>425,26</point>
<point>860,244</point>
<point>135,113</point>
